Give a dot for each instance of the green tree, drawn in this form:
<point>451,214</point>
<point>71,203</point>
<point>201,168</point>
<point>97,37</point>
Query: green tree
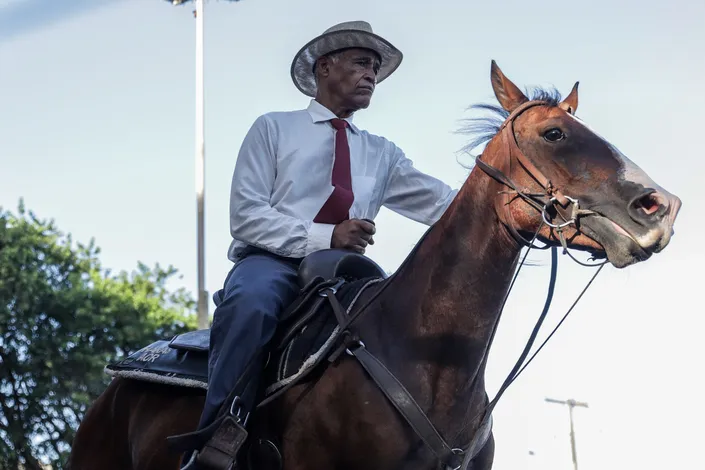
<point>62,318</point>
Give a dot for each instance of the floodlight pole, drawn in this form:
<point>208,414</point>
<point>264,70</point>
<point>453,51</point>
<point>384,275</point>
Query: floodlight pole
<point>571,404</point>
<point>203,319</point>
<point>202,300</point>
<point>200,168</point>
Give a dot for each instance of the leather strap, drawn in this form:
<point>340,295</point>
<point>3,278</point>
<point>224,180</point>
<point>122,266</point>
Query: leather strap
<point>293,330</point>
<point>510,224</point>
<point>337,308</point>
<point>515,151</point>
<point>212,435</point>
<point>327,352</point>
<point>399,396</point>
<point>220,452</point>
<point>479,441</point>
<point>407,406</point>
<point>303,298</point>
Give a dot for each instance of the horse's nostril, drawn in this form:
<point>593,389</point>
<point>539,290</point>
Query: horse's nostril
<point>649,204</point>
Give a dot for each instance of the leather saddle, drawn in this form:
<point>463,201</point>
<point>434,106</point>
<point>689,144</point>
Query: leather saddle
<point>334,262</point>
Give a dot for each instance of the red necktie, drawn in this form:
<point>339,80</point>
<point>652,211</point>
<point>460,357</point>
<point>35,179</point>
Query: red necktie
<point>337,207</point>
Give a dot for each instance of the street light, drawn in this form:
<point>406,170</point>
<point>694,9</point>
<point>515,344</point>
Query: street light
<point>200,161</point>
<point>570,404</point>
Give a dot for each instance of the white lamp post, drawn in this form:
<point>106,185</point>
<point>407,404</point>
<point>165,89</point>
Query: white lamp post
<point>200,161</point>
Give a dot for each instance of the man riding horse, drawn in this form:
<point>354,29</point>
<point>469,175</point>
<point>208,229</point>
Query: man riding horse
<point>304,181</point>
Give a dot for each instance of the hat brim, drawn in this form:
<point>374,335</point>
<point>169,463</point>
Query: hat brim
<point>304,60</point>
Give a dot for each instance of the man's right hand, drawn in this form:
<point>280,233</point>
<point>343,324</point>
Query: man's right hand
<point>353,234</point>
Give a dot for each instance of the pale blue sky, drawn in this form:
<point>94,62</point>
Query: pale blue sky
<point>97,131</point>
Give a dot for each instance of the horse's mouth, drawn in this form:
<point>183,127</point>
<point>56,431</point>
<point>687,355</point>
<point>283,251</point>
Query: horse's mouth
<point>621,248</point>
<point>628,237</point>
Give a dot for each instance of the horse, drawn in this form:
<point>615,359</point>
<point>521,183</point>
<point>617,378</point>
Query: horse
<point>400,382</point>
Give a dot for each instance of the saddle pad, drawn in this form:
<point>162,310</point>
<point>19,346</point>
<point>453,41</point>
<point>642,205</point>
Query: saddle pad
<point>196,341</point>
<point>161,362</point>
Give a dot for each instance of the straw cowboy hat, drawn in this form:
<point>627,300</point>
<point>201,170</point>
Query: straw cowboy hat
<point>341,36</point>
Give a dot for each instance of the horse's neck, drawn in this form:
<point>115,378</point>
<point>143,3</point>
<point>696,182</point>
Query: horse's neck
<point>444,302</point>
<point>456,280</point>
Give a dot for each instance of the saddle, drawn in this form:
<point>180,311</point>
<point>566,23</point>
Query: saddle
<point>336,263</point>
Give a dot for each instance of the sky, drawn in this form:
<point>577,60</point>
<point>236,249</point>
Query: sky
<point>97,132</point>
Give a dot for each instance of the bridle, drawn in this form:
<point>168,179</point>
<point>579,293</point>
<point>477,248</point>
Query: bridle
<point>556,198</point>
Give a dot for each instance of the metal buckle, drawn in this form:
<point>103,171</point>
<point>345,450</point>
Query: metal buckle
<point>237,401</point>
<point>359,344</point>
<point>334,288</point>
<point>191,462</point>
<point>575,204</point>
<point>457,451</point>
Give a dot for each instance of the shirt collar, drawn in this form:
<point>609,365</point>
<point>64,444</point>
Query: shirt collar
<point>320,113</point>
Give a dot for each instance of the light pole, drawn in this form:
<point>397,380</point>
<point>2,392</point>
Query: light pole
<point>200,162</point>
<point>570,404</point>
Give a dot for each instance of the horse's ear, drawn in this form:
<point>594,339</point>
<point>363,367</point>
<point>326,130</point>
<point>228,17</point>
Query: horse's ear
<point>507,93</point>
<point>570,103</point>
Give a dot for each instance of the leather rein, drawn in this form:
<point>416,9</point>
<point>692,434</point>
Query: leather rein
<point>454,458</point>
<point>562,203</point>
<point>556,198</point>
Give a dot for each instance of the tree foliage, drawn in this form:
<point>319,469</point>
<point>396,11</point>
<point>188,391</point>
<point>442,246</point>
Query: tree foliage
<point>62,318</point>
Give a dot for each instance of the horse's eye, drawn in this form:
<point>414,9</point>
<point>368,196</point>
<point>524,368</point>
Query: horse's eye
<point>554,135</point>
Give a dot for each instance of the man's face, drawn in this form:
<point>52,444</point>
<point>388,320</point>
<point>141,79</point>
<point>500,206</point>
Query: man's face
<point>352,78</point>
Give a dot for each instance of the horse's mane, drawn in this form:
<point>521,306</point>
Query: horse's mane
<point>483,129</point>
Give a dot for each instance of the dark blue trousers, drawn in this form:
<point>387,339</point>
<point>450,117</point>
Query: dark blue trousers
<point>255,293</point>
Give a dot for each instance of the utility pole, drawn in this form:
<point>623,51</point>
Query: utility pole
<point>570,404</point>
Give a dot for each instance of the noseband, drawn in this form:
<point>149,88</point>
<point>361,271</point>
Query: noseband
<point>556,198</point>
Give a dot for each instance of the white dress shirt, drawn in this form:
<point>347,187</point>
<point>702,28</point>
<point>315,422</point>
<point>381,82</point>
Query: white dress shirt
<point>282,178</point>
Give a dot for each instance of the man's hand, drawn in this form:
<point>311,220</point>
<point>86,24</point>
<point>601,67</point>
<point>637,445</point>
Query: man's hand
<point>353,234</point>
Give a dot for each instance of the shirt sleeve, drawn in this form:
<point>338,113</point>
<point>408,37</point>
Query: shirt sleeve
<point>412,193</point>
<point>252,219</point>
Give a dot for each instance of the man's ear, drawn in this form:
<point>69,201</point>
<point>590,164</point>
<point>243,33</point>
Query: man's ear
<point>322,67</point>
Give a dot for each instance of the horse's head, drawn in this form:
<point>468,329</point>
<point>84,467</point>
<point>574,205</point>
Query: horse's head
<point>544,151</point>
